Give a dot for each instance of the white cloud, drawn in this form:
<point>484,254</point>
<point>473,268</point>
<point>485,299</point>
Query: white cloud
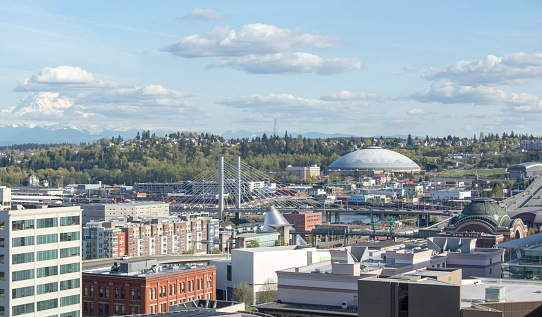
<point>248,39</point>
<point>450,93</point>
<point>415,111</point>
<point>410,69</point>
<point>483,115</point>
<point>63,76</point>
<point>204,14</point>
<point>72,96</point>
<point>289,63</point>
<point>292,108</point>
<point>345,95</point>
<point>490,70</point>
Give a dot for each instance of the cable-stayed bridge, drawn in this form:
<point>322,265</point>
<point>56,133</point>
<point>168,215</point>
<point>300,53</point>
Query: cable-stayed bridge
<point>237,185</point>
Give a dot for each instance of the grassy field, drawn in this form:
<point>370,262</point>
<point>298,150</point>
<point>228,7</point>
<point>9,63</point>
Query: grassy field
<point>481,173</point>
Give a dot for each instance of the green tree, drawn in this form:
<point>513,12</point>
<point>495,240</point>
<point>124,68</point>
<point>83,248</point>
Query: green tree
<point>242,292</point>
<point>253,244</point>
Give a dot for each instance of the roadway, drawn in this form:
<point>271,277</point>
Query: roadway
<point>180,259</point>
<point>530,197</point>
<point>352,211</point>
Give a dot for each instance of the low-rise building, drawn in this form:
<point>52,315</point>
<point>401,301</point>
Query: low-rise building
<point>257,266</point>
<point>449,194</point>
<point>105,212</point>
<point>303,172</point>
<point>148,236</point>
<point>304,220</point>
<point>143,287</point>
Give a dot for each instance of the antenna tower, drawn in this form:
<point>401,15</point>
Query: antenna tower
<point>275,128</point>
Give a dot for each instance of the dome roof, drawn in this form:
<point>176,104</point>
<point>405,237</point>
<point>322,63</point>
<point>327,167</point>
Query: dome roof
<point>377,158</point>
<point>483,207</point>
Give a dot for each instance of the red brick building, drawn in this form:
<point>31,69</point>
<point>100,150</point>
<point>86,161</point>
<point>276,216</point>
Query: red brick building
<point>304,220</point>
<point>142,287</point>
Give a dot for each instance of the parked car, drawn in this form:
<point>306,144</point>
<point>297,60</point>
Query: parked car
<point>125,257</point>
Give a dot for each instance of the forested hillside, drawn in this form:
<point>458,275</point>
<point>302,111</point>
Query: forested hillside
<point>181,156</point>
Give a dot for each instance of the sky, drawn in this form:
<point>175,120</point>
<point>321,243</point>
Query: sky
<point>359,68</point>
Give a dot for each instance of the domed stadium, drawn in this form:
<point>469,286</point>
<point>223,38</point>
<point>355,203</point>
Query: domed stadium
<point>374,160</point>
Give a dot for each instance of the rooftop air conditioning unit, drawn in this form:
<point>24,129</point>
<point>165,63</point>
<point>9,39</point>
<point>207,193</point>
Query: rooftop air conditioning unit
<point>495,294</point>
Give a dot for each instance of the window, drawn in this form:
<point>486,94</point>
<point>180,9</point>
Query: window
<point>47,271</point>
<point>132,294</point>
<point>47,238</point>
<point>91,290</point>
<point>47,255</point>
<point>122,293</point>
<point>22,275</point>
<point>22,225</point>
<point>1,259</point>
<point>75,313</point>
<point>22,258</point>
<point>47,288</point>
<point>107,292</point>
<point>23,309</point>
<point>22,241</point>
<point>69,268</point>
<point>1,242</point>
<point>101,293</point>
<point>67,252</point>
<point>116,292</point>
<point>47,223</point>
<point>1,225</point>
<point>22,292</point>
<point>2,293</point>
<point>69,300</point>
<point>228,273</point>
<point>69,221</point>
<point>1,276</point>
<point>47,304</point>
<point>69,236</point>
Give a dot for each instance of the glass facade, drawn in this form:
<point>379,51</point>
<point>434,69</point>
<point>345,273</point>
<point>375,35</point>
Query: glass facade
<point>529,266</point>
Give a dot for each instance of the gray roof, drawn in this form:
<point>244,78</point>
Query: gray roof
<point>274,219</point>
<point>374,157</point>
<point>519,243</point>
<point>526,165</point>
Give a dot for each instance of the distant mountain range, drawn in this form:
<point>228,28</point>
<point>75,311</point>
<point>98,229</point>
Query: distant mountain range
<point>47,135</point>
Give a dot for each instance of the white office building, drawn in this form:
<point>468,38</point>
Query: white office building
<point>40,261</point>
<point>257,266</point>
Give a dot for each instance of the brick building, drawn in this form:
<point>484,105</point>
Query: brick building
<point>304,220</point>
<point>143,287</point>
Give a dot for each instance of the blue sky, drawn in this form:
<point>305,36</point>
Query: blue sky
<point>352,67</point>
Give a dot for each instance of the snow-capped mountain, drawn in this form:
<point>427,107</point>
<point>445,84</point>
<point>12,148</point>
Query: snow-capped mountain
<point>45,103</point>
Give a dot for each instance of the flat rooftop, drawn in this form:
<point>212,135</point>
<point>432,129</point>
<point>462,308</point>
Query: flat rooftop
<point>516,290</point>
<point>274,249</point>
<point>319,310</point>
<point>139,269</point>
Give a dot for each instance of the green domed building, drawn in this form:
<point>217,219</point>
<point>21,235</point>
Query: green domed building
<point>486,220</point>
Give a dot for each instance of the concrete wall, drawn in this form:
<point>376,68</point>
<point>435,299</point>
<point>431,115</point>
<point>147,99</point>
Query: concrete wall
<point>516,309</point>
<point>434,300</point>
<point>374,298</point>
<point>381,298</point>
<point>317,288</point>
